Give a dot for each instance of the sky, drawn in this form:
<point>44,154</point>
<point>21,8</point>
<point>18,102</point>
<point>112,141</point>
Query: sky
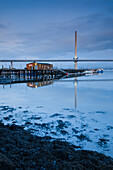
<point>44,29</point>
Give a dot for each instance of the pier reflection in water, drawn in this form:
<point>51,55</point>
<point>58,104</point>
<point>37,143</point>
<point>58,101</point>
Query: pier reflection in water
<point>50,110</point>
<point>40,83</point>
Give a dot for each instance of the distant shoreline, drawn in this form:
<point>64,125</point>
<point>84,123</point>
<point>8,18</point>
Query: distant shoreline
<point>20,149</point>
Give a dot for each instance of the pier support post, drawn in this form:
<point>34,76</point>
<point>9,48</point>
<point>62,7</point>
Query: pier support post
<point>24,74</point>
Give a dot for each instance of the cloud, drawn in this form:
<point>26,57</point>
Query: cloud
<point>56,37</point>
<point>95,32</point>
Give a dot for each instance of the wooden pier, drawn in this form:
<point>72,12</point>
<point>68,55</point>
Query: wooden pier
<point>33,81</point>
<point>12,76</point>
<point>37,73</point>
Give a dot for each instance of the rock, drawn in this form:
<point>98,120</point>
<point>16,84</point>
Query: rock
<point>21,150</point>
<point>5,163</point>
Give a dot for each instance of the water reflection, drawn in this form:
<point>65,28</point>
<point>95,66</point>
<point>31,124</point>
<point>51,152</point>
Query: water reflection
<point>40,83</point>
<point>45,80</point>
<point>50,110</point>
<point>75,92</point>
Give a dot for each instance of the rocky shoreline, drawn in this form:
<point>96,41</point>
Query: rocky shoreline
<point>19,149</point>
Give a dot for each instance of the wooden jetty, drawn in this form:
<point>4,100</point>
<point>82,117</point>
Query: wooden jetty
<point>36,80</point>
<point>37,73</point>
<point>12,76</point>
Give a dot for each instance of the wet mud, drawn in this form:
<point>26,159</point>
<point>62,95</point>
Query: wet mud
<point>19,149</point>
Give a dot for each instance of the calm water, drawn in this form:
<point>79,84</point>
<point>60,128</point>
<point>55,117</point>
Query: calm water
<point>80,112</point>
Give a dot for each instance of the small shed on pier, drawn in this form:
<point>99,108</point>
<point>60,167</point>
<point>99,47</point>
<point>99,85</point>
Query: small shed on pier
<point>39,66</point>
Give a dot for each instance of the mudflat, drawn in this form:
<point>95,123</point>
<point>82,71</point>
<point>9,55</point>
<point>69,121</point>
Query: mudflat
<point>19,149</point>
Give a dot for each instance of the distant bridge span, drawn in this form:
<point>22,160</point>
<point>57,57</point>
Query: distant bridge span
<point>47,60</point>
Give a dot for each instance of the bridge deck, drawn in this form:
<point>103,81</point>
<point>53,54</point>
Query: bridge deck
<point>58,60</point>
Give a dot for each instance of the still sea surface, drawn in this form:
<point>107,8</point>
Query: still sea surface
<point>78,110</point>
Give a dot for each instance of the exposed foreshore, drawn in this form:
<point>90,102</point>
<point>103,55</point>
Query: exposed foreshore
<point>21,150</point>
